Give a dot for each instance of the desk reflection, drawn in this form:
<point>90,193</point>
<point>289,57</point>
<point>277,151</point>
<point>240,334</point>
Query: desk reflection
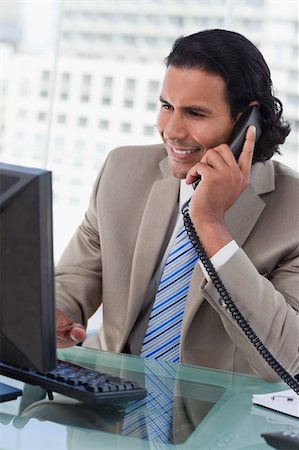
<point>169,414</point>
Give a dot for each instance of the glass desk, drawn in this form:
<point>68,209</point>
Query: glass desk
<point>209,409</point>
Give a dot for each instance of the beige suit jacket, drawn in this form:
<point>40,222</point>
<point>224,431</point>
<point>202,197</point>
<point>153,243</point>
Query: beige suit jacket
<point>113,255</point>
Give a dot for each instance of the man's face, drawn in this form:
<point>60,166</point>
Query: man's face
<point>194,116</point>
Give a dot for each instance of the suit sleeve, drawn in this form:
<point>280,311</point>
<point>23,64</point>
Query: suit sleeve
<point>269,303</point>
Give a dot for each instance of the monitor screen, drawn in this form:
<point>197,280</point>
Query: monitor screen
<point>27,300</point>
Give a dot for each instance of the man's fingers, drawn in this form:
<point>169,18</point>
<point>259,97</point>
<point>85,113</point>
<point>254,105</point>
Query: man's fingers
<point>196,172</point>
<point>221,158</point>
<point>245,159</point>
<point>72,336</point>
<point>77,333</point>
<point>67,332</point>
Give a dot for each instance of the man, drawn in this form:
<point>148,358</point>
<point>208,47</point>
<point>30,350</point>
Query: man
<point>244,212</point>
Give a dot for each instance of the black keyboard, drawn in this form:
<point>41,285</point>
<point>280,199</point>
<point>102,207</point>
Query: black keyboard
<point>81,383</point>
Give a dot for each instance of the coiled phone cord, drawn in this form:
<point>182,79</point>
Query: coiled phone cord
<point>232,307</point>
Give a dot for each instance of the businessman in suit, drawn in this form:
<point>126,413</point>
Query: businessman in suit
<point>244,212</point>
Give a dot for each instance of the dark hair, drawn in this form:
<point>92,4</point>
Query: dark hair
<point>247,76</point>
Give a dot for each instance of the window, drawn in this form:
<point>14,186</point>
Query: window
<point>76,182</point>
<point>151,106</point>
<point>104,124</point>
<point>41,116</point>
<point>176,20</point>
<point>128,39</point>
<point>126,127</point>
<point>100,147</point>
<point>65,77</point>
<point>95,89</point>
<point>153,87</point>
<point>61,119</point>
<point>59,143</point>
<point>84,98</point>
<point>107,82</point>
<point>130,84</point>
<point>148,130</point>
<point>86,80</point>
<point>64,95</point>
<point>105,100</point>
<point>79,146</point>
<point>128,103</point>
<point>82,121</point>
<point>45,75</point>
<point>38,144</point>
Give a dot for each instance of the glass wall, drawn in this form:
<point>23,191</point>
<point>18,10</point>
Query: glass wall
<point>80,77</point>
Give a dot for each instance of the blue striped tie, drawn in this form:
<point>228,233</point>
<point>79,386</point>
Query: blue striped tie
<point>162,338</point>
<point>151,417</point>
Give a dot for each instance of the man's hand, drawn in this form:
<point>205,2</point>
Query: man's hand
<point>223,179</point>
<point>67,332</point>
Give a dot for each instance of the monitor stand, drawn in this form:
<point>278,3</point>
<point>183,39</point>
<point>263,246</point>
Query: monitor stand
<point>8,392</point>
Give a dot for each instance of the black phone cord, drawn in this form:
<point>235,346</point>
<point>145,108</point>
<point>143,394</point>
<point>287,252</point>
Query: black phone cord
<point>232,307</point>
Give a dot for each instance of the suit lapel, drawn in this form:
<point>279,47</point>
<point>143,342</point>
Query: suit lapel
<point>243,215</point>
<point>152,239</point>
<point>245,212</point>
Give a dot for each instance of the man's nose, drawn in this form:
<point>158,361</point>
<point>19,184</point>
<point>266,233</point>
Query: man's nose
<point>175,127</point>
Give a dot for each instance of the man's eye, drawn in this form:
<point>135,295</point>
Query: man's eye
<point>196,113</point>
<point>165,106</point>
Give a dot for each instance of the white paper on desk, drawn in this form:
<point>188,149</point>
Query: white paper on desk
<point>274,417</point>
<point>278,401</point>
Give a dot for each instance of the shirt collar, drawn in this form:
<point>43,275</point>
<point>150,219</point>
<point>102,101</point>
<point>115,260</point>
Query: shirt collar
<point>186,191</point>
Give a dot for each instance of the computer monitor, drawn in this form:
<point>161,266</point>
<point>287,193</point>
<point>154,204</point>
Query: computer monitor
<point>27,299</point>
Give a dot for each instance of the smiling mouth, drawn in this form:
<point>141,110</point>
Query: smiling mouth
<point>184,151</point>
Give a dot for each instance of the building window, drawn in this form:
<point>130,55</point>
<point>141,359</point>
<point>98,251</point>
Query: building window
<point>79,146</point>
<point>82,121</point>
<point>41,116</point>
<point>151,106</point>
<point>64,95</point>
<point>59,143</point>
<point>130,84</point>
<point>101,147</point>
<point>73,201</point>
<point>148,130</point>
<point>104,124</point>
<point>65,77</point>
<point>128,103</point>
<point>153,87</point>
<point>84,98</point>
<point>107,82</point>
<point>105,100</point>
<point>61,119</point>
<point>126,127</point>
<point>86,80</point>
<point>38,143</point>
<point>45,75</point>
<point>76,182</point>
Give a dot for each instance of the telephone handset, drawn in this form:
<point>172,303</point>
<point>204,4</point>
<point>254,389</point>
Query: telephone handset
<point>251,116</point>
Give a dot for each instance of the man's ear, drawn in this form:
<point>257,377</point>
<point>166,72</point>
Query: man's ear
<point>254,102</point>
